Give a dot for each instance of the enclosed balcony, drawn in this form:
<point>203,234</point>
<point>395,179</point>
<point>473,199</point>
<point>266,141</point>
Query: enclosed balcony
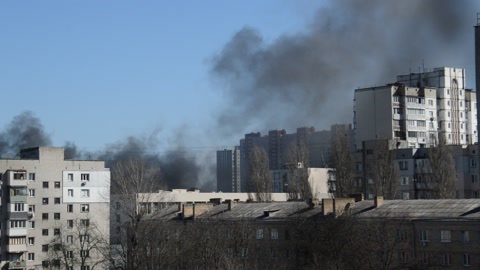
<point>17,248</point>
<point>18,194</point>
<point>17,265</point>
<point>16,178</point>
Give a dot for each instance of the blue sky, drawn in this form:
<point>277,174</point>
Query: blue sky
<point>95,72</point>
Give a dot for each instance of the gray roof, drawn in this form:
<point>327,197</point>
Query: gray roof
<point>420,209</point>
<point>264,211</point>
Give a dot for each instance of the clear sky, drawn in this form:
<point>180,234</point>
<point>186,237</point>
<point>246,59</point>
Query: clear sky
<point>95,72</point>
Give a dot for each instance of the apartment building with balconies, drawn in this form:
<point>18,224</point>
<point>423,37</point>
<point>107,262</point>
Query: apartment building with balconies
<point>45,197</point>
<point>418,108</point>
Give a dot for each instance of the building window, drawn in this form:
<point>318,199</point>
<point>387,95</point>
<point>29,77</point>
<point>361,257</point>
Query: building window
<point>69,254</point>
<point>70,223</point>
<point>466,259</point>
<point>69,239</point>
<point>56,216</point>
<point>401,235</point>
<point>446,258</point>
<point>31,176</point>
<point>19,207</point>
<point>424,236</point>
<point>17,224</point>
<point>396,98</point>
<point>31,224</point>
<point>84,208</point>
<point>85,193</point>
<point>85,267</point>
<point>56,231</point>
<point>70,177</point>
<point>44,200</point>
<point>84,238</point>
<point>473,162</point>
<point>44,248</point>
<point>445,236</point>
<point>70,192</point>
<point>31,208</point>
<point>45,232</point>
<point>465,236</point>
<point>31,192</point>
<point>424,257</point>
<point>85,222</point>
<point>404,181</point>
<point>85,177</point>
<point>70,208</point>
<point>274,234</point>
<point>45,184</point>
<point>57,184</point>
<point>31,241</point>
<point>31,256</point>
<point>56,200</point>
<point>259,234</point>
<point>402,256</point>
<point>84,253</point>
<point>403,165</point>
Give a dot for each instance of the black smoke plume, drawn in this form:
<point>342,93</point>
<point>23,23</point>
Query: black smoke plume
<point>308,78</point>
<point>24,131</point>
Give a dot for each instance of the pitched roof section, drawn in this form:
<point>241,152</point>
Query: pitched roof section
<point>424,209</point>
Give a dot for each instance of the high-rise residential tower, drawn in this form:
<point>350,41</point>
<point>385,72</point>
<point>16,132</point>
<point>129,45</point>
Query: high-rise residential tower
<point>228,170</point>
<point>418,108</point>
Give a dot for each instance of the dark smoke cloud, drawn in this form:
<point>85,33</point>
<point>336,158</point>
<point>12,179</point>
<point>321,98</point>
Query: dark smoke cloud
<point>308,78</point>
<point>24,131</point>
<point>178,167</point>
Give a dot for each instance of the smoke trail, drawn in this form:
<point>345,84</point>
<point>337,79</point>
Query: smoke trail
<point>308,78</point>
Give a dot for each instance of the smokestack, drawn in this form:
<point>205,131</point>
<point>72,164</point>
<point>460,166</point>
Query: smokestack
<point>477,68</point>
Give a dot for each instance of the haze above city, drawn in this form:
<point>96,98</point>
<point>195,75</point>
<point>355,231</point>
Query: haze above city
<point>198,76</point>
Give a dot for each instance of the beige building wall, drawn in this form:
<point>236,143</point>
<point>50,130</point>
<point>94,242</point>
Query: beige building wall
<point>45,183</point>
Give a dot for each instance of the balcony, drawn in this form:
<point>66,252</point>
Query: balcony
<point>17,231</point>
<point>17,178</point>
<point>17,265</point>
<point>18,198</point>
<point>17,248</point>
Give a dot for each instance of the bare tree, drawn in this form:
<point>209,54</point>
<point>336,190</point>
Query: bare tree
<point>342,161</point>
<point>262,182</point>
<point>78,245</point>
<point>442,167</point>
<point>298,163</point>
<point>383,170</point>
<point>134,186</point>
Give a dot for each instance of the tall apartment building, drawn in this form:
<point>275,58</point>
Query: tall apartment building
<point>418,108</point>
<point>45,197</point>
<point>228,170</point>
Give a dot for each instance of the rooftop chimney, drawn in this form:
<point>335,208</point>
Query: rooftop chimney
<point>378,201</point>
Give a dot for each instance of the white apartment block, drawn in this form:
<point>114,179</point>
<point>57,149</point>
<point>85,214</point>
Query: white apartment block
<point>417,109</point>
<point>44,196</point>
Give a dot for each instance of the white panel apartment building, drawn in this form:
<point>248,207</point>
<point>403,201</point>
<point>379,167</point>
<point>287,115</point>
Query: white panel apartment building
<point>417,109</point>
<point>43,196</point>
